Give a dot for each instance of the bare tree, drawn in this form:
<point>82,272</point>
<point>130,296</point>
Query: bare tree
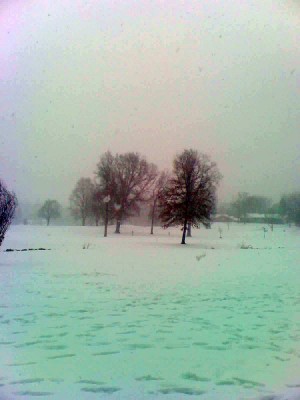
<point>50,209</point>
<point>134,177</point>
<point>190,195</point>
<point>127,179</point>
<point>81,199</point>
<point>8,204</point>
<point>158,186</point>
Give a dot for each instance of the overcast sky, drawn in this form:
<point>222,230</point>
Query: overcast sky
<point>81,77</point>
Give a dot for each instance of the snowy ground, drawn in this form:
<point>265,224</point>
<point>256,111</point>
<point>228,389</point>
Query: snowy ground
<point>142,317</point>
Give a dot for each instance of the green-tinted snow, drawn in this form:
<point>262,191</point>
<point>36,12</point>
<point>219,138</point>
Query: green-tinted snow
<point>143,317</point>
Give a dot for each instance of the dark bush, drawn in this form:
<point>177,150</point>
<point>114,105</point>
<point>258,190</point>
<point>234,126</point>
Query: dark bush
<point>8,203</point>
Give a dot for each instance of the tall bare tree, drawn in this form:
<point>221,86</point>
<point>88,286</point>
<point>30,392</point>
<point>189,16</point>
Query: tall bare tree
<point>158,186</point>
<point>190,195</point>
<point>127,179</point>
<point>81,199</point>
<point>134,177</point>
<point>8,204</point>
<point>50,209</point>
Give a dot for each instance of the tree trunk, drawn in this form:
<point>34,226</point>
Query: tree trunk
<point>183,233</point>
<point>189,230</point>
<point>48,221</point>
<point>118,226</point>
<point>83,221</point>
<point>106,220</point>
<point>152,217</point>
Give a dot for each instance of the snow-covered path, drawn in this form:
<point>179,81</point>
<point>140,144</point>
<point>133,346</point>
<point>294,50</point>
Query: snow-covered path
<point>142,317</point>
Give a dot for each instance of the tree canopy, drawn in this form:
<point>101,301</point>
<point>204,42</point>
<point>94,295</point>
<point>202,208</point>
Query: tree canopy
<point>189,197</point>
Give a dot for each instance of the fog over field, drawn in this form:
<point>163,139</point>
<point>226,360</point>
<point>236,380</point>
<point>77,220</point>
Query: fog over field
<point>79,78</point>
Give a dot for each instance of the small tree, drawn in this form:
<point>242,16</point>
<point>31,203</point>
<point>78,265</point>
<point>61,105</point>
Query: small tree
<point>81,199</point>
<point>50,209</point>
<point>190,195</point>
<point>8,204</point>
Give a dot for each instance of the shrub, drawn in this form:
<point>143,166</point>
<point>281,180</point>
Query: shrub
<point>8,204</point>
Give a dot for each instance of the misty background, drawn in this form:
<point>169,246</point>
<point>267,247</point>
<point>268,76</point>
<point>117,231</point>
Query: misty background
<point>79,78</point>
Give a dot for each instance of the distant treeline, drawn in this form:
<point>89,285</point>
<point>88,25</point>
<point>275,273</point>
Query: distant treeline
<point>246,207</point>
<point>126,187</point>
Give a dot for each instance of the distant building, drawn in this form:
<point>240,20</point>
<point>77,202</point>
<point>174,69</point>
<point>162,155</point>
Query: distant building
<point>264,218</point>
<point>251,218</point>
<point>224,218</point>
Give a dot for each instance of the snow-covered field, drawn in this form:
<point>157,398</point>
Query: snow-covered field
<point>135,316</point>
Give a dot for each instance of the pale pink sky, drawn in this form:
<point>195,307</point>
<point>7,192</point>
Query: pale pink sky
<point>80,77</point>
